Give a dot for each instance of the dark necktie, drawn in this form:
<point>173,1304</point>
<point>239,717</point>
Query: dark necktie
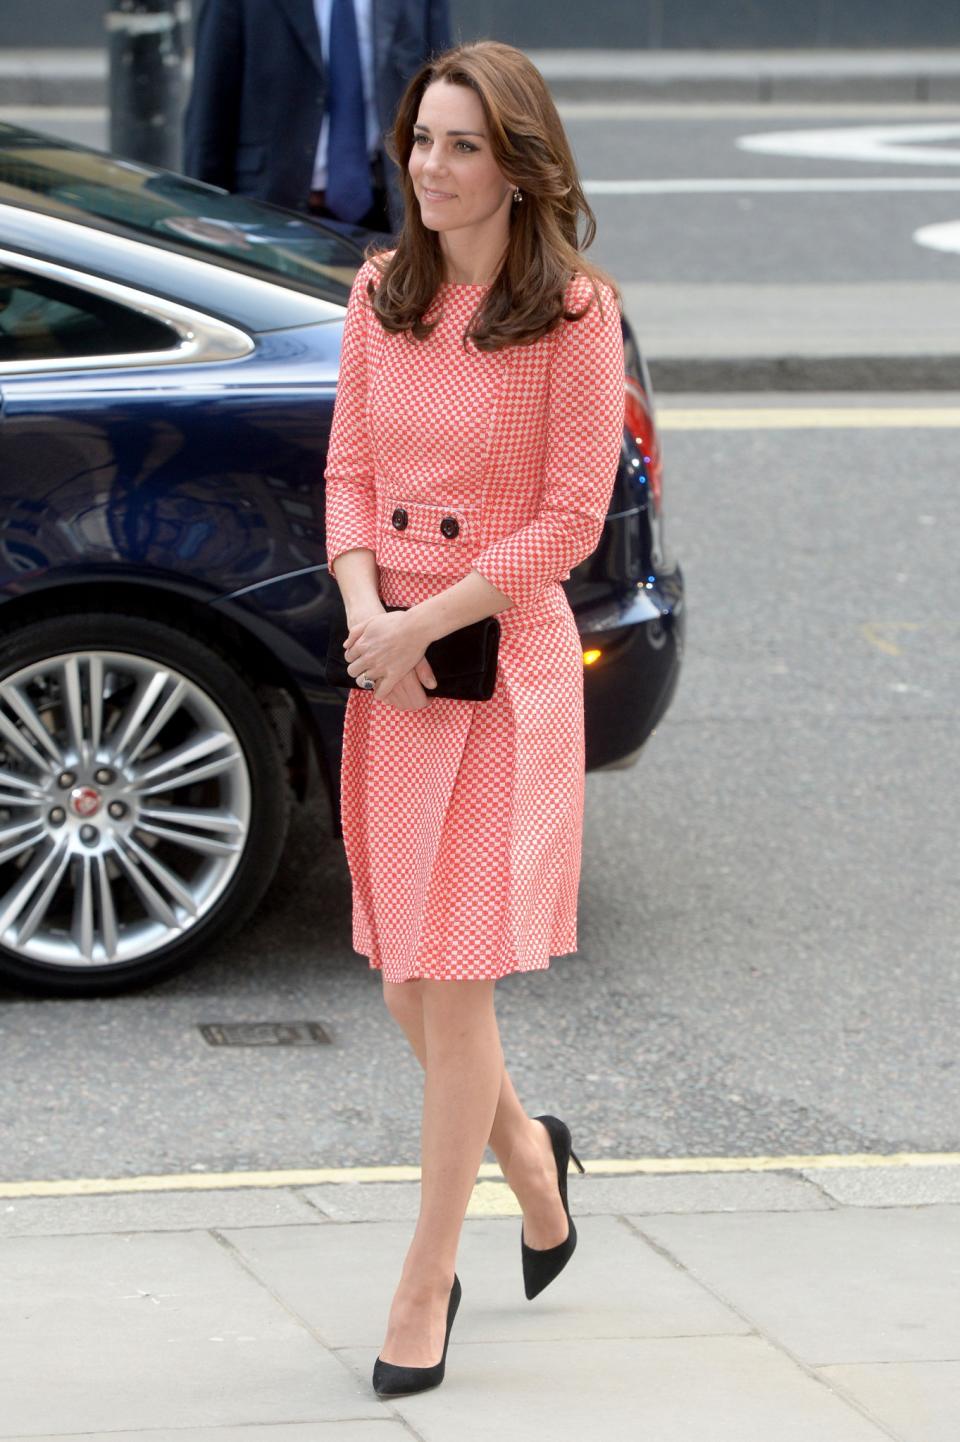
<point>349,191</point>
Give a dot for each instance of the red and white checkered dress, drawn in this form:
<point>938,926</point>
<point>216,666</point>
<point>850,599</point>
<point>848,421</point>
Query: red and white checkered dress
<point>462,821</point>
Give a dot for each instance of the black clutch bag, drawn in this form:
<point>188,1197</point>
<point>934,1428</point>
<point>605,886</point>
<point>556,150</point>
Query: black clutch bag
<point>464,661</point>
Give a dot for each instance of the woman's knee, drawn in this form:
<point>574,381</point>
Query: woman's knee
<point>457,1002</point>
<point>403,998</point>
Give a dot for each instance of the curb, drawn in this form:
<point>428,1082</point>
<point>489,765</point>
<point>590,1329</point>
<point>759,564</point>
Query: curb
<point>611,1187</point>
<point>805,373</point>
<point>754,76</point>
<point>54,78</point>
<point>79,77</point>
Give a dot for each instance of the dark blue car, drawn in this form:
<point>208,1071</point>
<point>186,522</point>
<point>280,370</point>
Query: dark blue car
<point>168,367</point>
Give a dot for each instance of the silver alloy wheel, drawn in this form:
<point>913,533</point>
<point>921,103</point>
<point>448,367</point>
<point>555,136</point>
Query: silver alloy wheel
<point>125,802</point>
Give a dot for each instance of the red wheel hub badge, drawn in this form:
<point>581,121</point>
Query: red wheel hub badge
<point>85,800</point>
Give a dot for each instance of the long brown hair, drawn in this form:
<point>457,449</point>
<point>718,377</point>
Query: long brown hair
<point>530,146</point>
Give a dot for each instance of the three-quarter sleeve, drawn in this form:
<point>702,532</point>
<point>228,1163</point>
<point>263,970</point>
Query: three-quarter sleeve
<point>349,472</point>
<point>587,396</point>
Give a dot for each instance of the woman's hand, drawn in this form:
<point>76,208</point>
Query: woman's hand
<point>390,647</point>
<point>408,694</point>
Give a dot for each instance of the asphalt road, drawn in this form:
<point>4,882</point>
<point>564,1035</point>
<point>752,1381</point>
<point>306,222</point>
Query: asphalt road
<point>769,902</point>
<point>680,233</point>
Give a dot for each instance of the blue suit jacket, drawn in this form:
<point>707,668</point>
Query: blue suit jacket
<point>259,90</point>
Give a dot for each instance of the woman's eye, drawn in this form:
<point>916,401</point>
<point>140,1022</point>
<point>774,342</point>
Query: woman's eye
<point>465,143</point>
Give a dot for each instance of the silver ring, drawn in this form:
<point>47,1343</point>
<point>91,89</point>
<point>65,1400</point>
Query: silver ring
<point>364,680</point>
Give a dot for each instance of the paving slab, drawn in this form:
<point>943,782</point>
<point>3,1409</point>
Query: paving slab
<point>888,1187</point>
<point>154,1211</point>
<point>919,1401</point>
<point>590,1195</point>
<point>691,1389</point>
<point>852,1285</point>
<point>709,319</point>
<point>342,1429</point>
<point>341,1279</point>
<point>892,335</point>
<point>146,1331</point>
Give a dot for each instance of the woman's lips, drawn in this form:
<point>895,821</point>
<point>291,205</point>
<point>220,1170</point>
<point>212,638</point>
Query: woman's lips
<point>437,194</point>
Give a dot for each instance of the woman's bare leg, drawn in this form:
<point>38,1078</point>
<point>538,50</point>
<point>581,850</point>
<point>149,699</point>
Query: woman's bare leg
<point>461,1087</point>
<point>520,1144</point>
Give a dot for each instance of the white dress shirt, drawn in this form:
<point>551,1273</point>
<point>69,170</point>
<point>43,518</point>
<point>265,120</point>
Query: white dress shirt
<point>364,13</point>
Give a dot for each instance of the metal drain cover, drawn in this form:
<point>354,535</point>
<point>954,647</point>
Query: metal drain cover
<point>264,1033</point>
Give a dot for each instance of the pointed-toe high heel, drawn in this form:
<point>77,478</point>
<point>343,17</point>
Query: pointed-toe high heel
<point>390,1379</point>
<point>541,1265</point>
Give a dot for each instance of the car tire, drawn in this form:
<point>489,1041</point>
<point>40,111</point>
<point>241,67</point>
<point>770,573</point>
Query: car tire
<point>144,802</point>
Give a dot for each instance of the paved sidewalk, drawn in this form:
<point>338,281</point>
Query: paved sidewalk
<point>801,1302</point>
<point>79,77</point>
<point>753,75</point>
<point>725,336</point>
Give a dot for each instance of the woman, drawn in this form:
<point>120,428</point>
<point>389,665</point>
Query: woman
<point>474,446</point>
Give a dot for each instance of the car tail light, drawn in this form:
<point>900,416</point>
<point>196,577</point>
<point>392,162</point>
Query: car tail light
<point>640,426</point>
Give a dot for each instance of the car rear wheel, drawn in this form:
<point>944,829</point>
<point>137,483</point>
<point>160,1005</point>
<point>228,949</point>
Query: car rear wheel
<point>144,802</point>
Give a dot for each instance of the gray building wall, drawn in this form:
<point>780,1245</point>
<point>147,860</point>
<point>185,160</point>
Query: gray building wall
<point>597,24</point>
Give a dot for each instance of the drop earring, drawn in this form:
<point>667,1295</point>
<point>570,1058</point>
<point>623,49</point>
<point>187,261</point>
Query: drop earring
<point>516,195</point>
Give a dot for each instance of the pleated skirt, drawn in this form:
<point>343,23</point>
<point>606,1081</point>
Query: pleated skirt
<point>463,821</point>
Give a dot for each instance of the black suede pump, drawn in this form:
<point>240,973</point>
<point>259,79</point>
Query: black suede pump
<point>541,1265</point>
<point>392,1380</point>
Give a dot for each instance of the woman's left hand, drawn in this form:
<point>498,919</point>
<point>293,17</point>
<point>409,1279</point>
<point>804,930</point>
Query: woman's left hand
<point>386,647</point>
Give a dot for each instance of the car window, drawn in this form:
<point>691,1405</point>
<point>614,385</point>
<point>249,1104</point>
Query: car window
<point>43,319</point>
<point>125,197</point>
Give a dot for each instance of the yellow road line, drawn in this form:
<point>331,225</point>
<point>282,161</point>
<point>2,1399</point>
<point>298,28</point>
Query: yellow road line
<point>318,1176</point>
<point>878,633</point>
<point>759,418</point>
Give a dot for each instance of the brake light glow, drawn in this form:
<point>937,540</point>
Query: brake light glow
<point>639,425</point>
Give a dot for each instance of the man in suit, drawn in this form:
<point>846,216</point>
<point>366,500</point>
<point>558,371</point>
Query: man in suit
<point>291,99</point>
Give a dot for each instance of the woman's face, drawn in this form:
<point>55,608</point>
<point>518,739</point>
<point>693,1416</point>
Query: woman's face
<point>455,177</point>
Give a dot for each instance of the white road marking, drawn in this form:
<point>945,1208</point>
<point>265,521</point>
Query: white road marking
<point>744,184</point>
<point>945,236</point>
<point>875,144</point>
